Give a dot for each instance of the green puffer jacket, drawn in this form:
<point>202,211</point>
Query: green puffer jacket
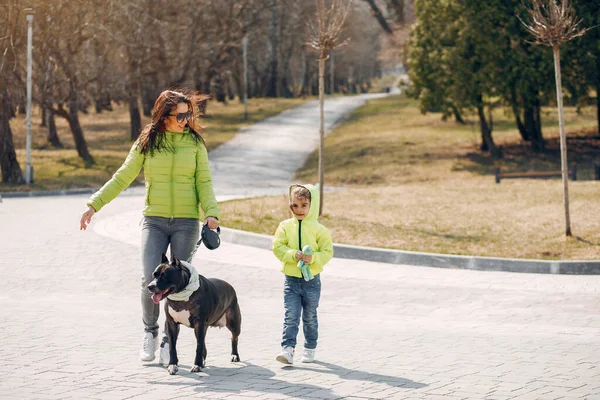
<point>177,183</point>
<point>292,235</point>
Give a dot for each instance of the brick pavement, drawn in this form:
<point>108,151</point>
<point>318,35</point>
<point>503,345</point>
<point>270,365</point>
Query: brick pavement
<point>72,328</point>
<point>71,323</point>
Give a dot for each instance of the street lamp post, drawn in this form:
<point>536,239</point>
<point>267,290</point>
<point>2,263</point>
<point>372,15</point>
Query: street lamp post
<point>245,53</point>
<point>28,167</point>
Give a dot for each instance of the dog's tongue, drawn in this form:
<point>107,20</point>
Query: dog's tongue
<point>156,297</point>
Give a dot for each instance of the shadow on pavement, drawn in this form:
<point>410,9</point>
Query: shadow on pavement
<point>248,377</point>
<point>356,375</point>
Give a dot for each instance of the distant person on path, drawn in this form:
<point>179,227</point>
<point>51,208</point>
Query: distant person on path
<point>178,183</point>
<point>301,296</point>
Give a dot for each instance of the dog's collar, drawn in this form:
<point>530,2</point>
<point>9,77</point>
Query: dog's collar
<point>191,287</point>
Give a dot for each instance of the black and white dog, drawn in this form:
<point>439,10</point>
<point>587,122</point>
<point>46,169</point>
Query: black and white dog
<point>196,302</point>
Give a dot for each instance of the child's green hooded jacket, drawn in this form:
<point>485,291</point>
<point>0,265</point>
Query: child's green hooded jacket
<point>292,235</point>
<point>178,182</point>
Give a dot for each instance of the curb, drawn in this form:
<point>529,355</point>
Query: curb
<point>430,259</point>
<point>61,192</point>
<point>41,193</point>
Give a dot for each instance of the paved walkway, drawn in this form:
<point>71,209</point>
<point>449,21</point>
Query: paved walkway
<point>71,322</point>
<point>263,158</point>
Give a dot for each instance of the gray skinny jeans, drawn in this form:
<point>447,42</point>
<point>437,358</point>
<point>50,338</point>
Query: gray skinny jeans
<point>157,234</point>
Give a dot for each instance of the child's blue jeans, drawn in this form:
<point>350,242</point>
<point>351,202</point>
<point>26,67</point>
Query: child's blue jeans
<point>301,298</point>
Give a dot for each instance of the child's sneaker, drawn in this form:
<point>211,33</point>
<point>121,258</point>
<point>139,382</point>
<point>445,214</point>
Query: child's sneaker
<point>308,356</point>
<point>286,355</point>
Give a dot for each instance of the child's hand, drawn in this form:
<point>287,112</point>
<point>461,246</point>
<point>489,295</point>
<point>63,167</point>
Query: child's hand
<point>307,258</point>
<point>298,255</point>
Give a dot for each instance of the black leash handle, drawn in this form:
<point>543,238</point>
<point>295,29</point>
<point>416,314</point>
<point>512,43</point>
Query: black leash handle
<point>202,234</point>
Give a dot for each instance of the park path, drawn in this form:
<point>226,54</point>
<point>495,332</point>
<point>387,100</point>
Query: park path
<point>263,158</point>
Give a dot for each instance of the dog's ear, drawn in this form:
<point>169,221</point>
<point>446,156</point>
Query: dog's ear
<point>175,261</point>
<point>164,259</point>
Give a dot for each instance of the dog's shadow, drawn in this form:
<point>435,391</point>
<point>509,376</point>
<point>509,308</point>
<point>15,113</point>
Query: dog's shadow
<point>251,377</point>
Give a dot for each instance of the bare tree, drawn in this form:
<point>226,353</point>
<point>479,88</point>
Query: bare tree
<point>127,25</point>
<point>10,19</point>
<point>324,37</point>
<point>379,17</point>
<point>68,34</point>
<point>553,24</point>
<point>273,88</point>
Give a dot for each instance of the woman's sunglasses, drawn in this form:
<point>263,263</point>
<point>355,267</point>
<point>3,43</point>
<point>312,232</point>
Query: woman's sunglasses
<point>182,117</point>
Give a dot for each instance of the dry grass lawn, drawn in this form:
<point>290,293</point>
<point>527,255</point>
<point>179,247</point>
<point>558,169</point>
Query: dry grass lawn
<point>107,136</point>
<point>413,182</point>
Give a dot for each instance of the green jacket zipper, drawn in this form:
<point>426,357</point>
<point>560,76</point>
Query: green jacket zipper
<point>300,234</point>
<point>172,183</point>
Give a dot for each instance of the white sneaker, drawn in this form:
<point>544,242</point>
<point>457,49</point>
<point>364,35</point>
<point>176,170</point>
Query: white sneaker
<point>286,355</point>
<point>149,346</point>
<point>163,354</point>
<point>308,356</point>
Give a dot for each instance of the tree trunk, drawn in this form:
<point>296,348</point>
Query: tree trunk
<point>102,102</point>
<point>11,170</point>
<point>53,138</point>
<point>47,110</point>
<point>563,140</point>
<point>229,88</point>
<point>304,87</point>
<point>529,121</point>
<point>43,122</point>
<point>133,95</point>
<point>522,131</point>
<point>532,126</point>
<point>331,74</point>
<point>321,129</point>
<point>376,12</point>
<point>218,88</point>
<point>244,88</point>
<point>457,115</point>
<point>254,90</point>
<point>134,117</point>
<point>598,104</point>
<point>148,100</point>
<point>77,131</point>
<point>239,84</point>
<point>399,9</point>
<point>351,80</point>
<point>273,83</point>
<point>487,141</point>
<point>514,103</point>
<point>72,117</point>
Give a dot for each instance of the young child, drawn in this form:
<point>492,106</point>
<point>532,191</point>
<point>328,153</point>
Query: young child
<point>301,294</point>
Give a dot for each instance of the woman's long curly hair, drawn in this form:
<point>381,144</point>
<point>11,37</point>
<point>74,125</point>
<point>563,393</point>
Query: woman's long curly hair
<point>152,137</point>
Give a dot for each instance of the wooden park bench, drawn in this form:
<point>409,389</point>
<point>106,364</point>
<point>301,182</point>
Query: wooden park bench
<point>535,174</point>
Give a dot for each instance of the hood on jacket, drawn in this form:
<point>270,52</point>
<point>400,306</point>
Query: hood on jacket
<point>315,201</point>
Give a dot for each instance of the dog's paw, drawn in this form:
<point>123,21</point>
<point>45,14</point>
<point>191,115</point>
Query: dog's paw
<point>235,358</point>
<point>196,368</point>
<point>172,369</point>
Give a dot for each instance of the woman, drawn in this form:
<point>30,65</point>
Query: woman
<point>178,183</point>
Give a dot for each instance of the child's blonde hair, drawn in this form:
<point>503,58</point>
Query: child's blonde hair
<point>299,192</point>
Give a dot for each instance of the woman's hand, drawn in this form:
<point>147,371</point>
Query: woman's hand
<point>212,222</point>
<point>86,218</point>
